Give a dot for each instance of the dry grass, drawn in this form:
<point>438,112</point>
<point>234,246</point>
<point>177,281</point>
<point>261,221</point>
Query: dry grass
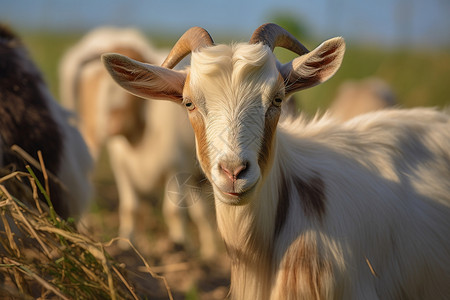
<point>43,256</point>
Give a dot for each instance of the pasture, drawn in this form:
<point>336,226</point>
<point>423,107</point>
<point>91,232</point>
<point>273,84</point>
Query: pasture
<point>418,78</point>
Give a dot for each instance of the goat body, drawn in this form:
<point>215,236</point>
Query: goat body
<point>33,120</point>
<point>353,211</point>
<point>359,97</point>
<point>148,143</point>
<point>309,209</point>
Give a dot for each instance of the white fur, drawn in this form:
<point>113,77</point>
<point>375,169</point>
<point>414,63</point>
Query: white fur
<point>386,178</point>
<point>364,204</point>
<point>166,148</point>
<point>93,44</point>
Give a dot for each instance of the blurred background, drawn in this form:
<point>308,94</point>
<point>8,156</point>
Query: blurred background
<point>404,42</point>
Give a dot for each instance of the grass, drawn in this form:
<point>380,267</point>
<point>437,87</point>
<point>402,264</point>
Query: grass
<point>43,256</point>
<point>418,78</point>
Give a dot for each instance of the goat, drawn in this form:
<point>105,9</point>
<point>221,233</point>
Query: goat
<point>359,97</point>
<point>313,209</point>
<point>145,149</point>
<point>33,120</point>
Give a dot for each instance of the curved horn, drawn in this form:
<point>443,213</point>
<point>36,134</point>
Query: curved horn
<point>194,38</point>
<point>273,36</point>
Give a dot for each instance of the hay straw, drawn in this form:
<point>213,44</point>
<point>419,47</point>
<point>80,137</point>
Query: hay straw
<point>43,256</point>
<point>372,270</point>
<point>24,220</point>
<point>27,157</point>
<point>28,272</point>
<point>44,172</point>
<point>147,266</point>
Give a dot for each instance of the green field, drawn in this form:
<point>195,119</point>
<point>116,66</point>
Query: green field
<point>418,77</point>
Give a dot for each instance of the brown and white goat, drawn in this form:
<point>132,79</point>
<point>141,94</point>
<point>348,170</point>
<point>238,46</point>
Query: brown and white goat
<point>358,97</point>
<point>149,143</point>
<point>309,210</point>
<point>33,120</point>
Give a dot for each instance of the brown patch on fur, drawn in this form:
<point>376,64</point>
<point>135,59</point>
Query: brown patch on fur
<point>283,206</point>
<point>270,125</point>
<point>25,118</point>
<point>87,108</point>
<point>303,271</point>
<point>198,124</point>
<point>96,58</point>
<point>312,195</point>
<point>127,120</point>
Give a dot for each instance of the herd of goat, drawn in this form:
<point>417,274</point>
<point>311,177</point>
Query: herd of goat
<point>352,204</point>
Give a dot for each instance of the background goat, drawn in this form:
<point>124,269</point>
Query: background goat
<point>358,97</point>
<point>309,210</point>
<point>33,120</point>
<point>149,143</point>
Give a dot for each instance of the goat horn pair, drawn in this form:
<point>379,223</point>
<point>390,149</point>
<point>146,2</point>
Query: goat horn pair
<point>194,38</point>
<point>269,34</point>
<point>273,36</point>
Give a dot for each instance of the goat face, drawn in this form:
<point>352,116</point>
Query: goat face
<point>233,96</point>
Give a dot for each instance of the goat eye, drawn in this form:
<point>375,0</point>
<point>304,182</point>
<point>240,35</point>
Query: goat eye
<point>189,105</point>
<point>277,101</point>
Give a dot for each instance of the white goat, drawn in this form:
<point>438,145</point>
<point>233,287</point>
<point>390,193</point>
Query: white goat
<point>359,97</point>
<point>149,143</point>
<point>309,210</point>
<point>33,120</point>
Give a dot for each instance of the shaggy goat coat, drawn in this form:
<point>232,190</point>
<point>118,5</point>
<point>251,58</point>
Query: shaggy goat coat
<point>349,211</point>
<point>311,209</point>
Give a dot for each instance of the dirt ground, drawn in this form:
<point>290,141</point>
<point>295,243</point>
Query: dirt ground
<point>187,275</point>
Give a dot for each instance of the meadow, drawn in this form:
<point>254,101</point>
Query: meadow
<point>417,77</point>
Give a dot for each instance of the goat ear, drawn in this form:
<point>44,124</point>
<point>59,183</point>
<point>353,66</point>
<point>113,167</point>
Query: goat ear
<point>314,67</point>
<point>144,80</point>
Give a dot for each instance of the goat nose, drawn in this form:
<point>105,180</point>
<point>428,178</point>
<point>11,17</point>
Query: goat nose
<point>233,171</point>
